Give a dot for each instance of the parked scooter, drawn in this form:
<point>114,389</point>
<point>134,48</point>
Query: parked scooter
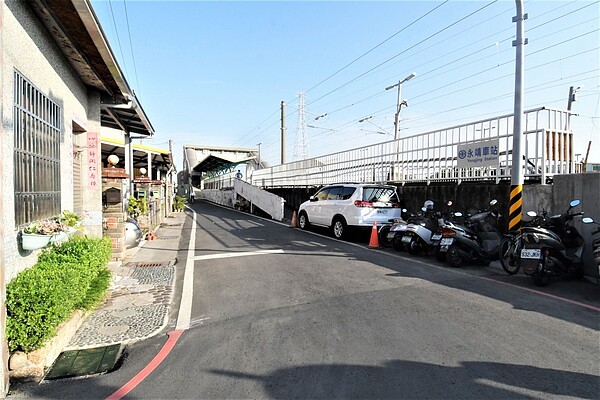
<point>478,240</point>
<point>511,245</point>
<point>385,233</point>
<point>397,229</point>
<point>554,249</point>
<point>421,231</point>
<point>448,218</point>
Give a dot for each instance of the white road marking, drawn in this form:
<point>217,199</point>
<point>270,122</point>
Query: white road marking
<point>238,254</point>
<point>185,308</point>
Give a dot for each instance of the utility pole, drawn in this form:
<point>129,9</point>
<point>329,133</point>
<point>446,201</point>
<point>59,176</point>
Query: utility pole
<point>517,174</point>
<point>399,104</point>
<point>283,132</point>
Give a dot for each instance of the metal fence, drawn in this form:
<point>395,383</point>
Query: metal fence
<point>442,155</point>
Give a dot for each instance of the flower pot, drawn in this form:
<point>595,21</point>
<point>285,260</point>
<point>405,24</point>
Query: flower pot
<point>31,241</point>
<point>58,237</point>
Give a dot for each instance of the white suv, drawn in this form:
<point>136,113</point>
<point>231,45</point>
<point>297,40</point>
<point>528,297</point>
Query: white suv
<point>346,205</point>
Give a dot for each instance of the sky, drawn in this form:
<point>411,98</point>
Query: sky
<point>214,73</point>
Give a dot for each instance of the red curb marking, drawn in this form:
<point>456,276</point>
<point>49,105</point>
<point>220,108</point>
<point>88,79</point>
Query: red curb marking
<point>143,374</point>
<point>552,296</point>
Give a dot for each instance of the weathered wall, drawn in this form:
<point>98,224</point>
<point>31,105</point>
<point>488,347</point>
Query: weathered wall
<point>585,187</point>
<point>223,197</point>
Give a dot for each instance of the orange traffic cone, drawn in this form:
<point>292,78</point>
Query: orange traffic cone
<point>294,223</point>
<point>374,242</point>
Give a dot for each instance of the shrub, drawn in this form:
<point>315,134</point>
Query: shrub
<point>180,203</point>
<point>65,278</point>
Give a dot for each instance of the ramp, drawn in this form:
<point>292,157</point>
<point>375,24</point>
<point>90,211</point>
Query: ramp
<point>266,201</point>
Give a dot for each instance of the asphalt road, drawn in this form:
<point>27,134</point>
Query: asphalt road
<point>315,318</point>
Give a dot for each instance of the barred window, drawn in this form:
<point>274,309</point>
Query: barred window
<point>37,128</point>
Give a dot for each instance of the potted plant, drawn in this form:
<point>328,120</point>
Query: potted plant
<point>180,202</point>
<point>71,220</point>
<point>136,207</point>
<point>39,234</point>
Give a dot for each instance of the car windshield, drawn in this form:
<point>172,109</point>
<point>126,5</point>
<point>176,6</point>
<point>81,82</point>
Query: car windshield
<point>378,194</point>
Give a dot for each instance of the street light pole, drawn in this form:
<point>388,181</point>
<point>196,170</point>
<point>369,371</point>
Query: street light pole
<point>399,104</point>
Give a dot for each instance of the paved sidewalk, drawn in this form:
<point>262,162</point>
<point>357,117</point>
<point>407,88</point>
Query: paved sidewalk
<point>140,294</point>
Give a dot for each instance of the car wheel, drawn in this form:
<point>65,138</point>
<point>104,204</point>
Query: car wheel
<point>303,221</point>
<point>339,228</point>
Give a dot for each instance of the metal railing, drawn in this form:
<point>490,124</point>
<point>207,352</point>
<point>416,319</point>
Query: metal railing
<point>439,156</point>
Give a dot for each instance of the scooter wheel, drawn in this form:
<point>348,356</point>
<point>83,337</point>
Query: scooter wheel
<point>383,236</point>
<point>397,244</point>
<point>540,278</point>
<point>440,256</point>
<point>508,258</point>
<point>413,247</point>
<point>454,257</point>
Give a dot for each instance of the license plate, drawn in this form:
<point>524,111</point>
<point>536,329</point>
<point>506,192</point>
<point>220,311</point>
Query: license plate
<point>534,254</point>
<point>406,239</point>
<point>446,241</point>
<point>437,236</point>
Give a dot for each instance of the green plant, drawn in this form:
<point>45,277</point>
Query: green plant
<point>49,226</point>
<point>179,203</point>
<point>136,207</point>
<point>65,278</point>
<point>69,218</point>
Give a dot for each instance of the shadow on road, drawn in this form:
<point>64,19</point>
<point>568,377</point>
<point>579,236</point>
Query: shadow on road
<point>413,380</point>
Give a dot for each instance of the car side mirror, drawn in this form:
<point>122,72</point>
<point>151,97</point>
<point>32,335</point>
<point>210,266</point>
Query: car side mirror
<point>313,198</point>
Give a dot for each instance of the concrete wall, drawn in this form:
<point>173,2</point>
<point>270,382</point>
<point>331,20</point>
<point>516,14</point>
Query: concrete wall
<point>268,202</point>
<point>28,48</point>
<point>585,187</point>
<point>224,197</point>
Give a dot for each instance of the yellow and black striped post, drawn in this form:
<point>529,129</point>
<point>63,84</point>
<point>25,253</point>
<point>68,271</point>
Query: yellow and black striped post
<point>515,208</point>
<point>517,159</point>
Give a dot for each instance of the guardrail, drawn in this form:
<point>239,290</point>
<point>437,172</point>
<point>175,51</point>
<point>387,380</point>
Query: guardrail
<point>480,150</point>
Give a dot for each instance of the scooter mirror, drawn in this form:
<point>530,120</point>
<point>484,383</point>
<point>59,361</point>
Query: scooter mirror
<point>532,213</point>
<point>423,209</point>
<point>458,214</point>
<point>404,210</point>
<point>449,203</point>
<point>493,202</point>
<point>587,220</point>
<point>575,203</point>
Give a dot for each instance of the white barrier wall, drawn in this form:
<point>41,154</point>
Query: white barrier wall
<point>224,197</point>
<point>266,201</point>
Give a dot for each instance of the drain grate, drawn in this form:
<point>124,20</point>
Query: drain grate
<point>168,237</point>
<point>145,264</point>
<point>73,363</point>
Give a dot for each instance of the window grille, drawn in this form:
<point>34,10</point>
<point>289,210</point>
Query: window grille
<point>37,129</point>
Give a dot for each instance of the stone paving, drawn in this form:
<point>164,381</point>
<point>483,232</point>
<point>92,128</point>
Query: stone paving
<point>138,307</point>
